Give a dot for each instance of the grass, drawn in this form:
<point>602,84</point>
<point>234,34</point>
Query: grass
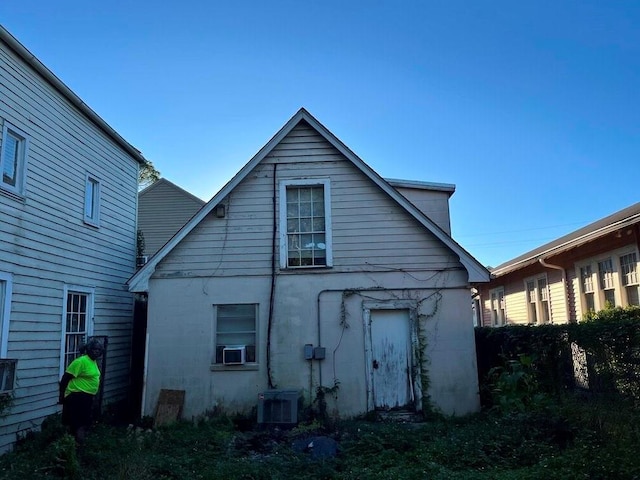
<point>595,439</point>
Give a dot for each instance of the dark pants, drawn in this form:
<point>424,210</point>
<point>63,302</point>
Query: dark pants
<point>76,411</point>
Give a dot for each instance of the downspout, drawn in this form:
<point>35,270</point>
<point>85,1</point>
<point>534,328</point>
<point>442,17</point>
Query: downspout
<point>273,282</point>
<point>564,286</point>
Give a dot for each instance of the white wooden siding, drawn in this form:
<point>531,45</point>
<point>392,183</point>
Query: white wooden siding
<point>45,244</point>
<point>434,204</point>
<point>240,243</point>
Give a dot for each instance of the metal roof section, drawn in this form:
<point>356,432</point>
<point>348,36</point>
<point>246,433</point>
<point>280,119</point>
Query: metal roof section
<point>31,60</point>
<point>432,186</point>
<point>616,221</point>
<point>477,273</point>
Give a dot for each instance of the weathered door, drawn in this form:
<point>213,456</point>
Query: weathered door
<point>391,358</point>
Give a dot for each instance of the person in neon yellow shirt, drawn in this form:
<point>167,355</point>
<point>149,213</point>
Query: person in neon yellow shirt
<point>78,387</point>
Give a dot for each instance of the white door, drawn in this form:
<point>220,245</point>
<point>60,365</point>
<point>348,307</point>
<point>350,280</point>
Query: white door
<point>391,359</point>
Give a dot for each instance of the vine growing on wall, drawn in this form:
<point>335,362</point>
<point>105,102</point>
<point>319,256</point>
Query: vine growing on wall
<point>423,359</point>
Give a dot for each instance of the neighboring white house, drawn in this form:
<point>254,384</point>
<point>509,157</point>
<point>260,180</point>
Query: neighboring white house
<point>308,269</point>
<point>68,197</point>
<point>163,208</point>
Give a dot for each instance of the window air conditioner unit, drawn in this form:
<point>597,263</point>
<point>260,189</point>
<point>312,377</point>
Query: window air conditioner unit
<point>235,355</point>
<point>7,375</point>
<point>278,407</point>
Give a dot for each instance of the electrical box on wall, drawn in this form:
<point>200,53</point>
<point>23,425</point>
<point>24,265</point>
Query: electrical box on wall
<point>308,351</point>
<point>319,353</point>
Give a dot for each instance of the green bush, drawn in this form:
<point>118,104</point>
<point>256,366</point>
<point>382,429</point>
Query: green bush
<point>608,343</point>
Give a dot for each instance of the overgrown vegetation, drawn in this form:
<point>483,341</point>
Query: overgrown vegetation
<point>538,423</point>
<point>574,438</point>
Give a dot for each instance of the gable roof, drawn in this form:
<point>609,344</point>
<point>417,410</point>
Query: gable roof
<point>164,182</point>
<point>477,273</point>
<point>618,220</point>
<point>31,60</point>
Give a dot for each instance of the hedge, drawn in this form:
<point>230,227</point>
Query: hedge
<point>599,355</point>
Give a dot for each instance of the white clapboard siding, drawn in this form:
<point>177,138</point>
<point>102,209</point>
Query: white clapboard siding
<point>46,245</point>
<point>368,227</point>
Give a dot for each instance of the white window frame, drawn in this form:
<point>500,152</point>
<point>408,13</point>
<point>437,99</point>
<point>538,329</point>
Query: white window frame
<point>92,194</point>
<point>23,151</point>
<point>618,285</point>
<point>541,305</point>
<point>90,292</point>
<point>248,365</point>
<point>6,290</point>
<point>624,286</point>
<point>308,182</point>
<point>498,319</point>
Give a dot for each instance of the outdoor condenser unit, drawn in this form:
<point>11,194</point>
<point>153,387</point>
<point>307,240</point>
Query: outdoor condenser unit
<point>279,407</point>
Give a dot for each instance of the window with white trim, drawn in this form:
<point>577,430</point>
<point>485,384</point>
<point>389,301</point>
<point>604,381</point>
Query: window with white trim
<point>586,289</point>
<point>235,327</point>
<point>610,280</point>
<point>538,307</point>
<point>606,281</point>
<point>305,223</point>
<point>13,159</point>
<point>630,278</point>
<point>92,201</point>
<point>5,311</point>
<point>498,317</point>
<point>77,322</point>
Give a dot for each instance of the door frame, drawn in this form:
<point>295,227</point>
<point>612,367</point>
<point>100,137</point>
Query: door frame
<point>416,368</point>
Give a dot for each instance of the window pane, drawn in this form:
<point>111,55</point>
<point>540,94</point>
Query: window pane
<point>318,208</point>
<point>292,195</point>
<point>293,225</point>
<point>306,241</point>
<point>294,243</point>
<point>610,297</point>
<point>590,302</point>
<point>292,210</point>
<point>305,224</point>
<point>305,194</point>
<point>629,267</point>
<point>632,295</point>
<point>587,279</point>
<point>318,196</point>
<point>605,269</point>
<point>10,161</point>
<point>305,209</point>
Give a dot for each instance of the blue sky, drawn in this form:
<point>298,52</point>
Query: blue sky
<point>532,109</point>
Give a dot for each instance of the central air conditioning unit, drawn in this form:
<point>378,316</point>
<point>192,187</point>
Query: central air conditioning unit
<point>235,355</point>
<point>7,375</point>
<point>278,407</point>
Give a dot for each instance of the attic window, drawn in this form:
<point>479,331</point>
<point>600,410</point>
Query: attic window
<point>305,223</point>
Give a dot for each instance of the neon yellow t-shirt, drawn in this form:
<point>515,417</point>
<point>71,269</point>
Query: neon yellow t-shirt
<point>86,376</point>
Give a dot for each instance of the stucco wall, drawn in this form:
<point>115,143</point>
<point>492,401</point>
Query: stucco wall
<point>181,336</point>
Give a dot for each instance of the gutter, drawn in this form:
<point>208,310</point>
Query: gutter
<point>68,94</point>
<point>565,290</point>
